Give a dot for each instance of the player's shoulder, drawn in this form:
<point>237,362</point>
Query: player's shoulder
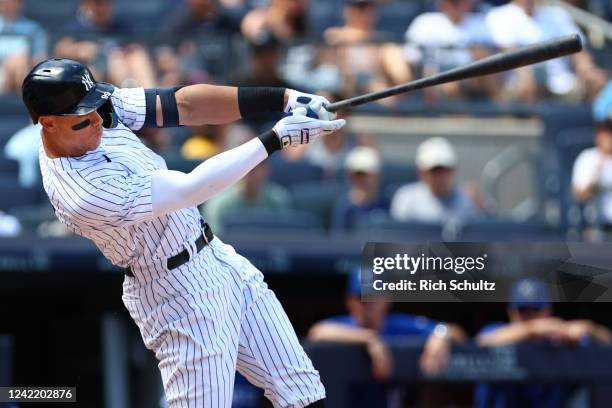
<point>128,94</point>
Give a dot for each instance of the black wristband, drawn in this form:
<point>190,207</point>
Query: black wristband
<point>257,100</point>
<point>270,141</point>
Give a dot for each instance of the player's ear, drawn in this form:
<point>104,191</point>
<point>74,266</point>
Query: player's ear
<point>48,123</point>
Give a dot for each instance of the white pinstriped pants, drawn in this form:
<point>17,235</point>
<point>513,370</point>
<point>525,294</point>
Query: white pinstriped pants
<point>215,315</point>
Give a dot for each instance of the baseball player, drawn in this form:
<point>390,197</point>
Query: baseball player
<point>203,309</point>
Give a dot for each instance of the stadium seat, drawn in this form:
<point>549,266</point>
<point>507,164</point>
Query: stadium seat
<point>323,14</point>
<point>53,15</point>
<point>397,174</point>
<point>9,168</point>
<point>31,216</point>
<point>13,195</point>
<point>287,173</point>
<point>144,15</point>
<point>552,164</point>
<point>317,199</point>
<point>9,125</point>
<point>270,220</point>
<point>495,229</point>
<point>395,17</point>
<point>385,229</point>
<point>570,142</point>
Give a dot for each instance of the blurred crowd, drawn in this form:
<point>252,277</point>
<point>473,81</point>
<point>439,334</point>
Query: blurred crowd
<point>531,319</point>
<point>337,48</point>
<point>341,46</point>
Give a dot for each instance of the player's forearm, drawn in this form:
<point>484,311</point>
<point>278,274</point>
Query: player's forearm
<point>211,104</point>
<point>512,333</point>
<point>173,190</point>
<point>341,333</point>
<point>207,104</point>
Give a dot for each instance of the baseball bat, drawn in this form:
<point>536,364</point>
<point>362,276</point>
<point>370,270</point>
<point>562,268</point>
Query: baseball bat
<point>503,61</point>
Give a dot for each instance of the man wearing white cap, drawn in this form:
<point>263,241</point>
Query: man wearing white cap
<point>363,171</point>
<point>435,198</point>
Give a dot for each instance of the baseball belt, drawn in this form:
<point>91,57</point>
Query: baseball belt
<point>183,257</point>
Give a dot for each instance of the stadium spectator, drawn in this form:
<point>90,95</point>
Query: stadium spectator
<point>254,191</point>
<point>371,324</point>
<point>205,141</point>
<point>363,197</point>
<point>531,319</point>
<point>97,17</point>
<point>436,196</point>
<point>452,36</point>
<point>23,147</point>
<point>264,57</point>
<point>286,19</point>
<point>24,43</point>
<point>94,39</point>
<point>366,62</point>
<point>203,16</point>
<point>313,66</point>
<point>9,225</point>
<point>169,68</point>
<point>522,22</point>
<point>592,172</point>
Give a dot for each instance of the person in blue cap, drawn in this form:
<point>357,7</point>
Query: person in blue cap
<point>531,319</point>
<point>592,172</point>
<point>371,324</point>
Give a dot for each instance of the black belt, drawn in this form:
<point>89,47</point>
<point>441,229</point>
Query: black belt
<point>183,257</point>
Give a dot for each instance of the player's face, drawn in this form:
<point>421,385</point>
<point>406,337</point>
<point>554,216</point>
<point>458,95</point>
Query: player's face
<point>73,135</point>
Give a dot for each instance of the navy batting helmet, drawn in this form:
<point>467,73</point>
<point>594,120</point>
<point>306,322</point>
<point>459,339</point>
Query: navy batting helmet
<point>65,87</point>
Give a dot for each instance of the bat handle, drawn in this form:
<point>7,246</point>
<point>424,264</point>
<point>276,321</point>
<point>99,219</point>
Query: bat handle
<point>336,106</point>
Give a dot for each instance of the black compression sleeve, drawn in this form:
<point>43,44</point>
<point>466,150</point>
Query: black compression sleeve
<point>270,141</point>
<point>257,100</point>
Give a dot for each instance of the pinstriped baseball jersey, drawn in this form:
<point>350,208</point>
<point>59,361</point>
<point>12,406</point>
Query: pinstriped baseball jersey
<point>105,195</point>
<point>204,319</point>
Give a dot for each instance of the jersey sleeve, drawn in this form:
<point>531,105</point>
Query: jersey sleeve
<point>130,106</point>
<point>117,200</point>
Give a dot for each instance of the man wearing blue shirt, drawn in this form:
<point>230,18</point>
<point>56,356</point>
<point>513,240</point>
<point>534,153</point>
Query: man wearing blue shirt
<point>371,324</point>
<point>531,319</point>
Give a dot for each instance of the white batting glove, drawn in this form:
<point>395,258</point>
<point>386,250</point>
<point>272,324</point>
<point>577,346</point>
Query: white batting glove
<point>300,129</point>
<point>303,100</point>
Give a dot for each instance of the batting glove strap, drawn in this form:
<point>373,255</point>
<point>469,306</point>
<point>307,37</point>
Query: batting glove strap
<point>271,141</point>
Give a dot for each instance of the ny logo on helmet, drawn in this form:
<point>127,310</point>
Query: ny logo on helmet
<point>87,82</point>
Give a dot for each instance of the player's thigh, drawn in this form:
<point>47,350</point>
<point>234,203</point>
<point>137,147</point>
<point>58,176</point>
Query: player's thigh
<point>271,357</point>
<point>195,372</point>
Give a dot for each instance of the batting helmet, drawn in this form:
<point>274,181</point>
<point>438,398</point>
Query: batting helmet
<point>67,88</point>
